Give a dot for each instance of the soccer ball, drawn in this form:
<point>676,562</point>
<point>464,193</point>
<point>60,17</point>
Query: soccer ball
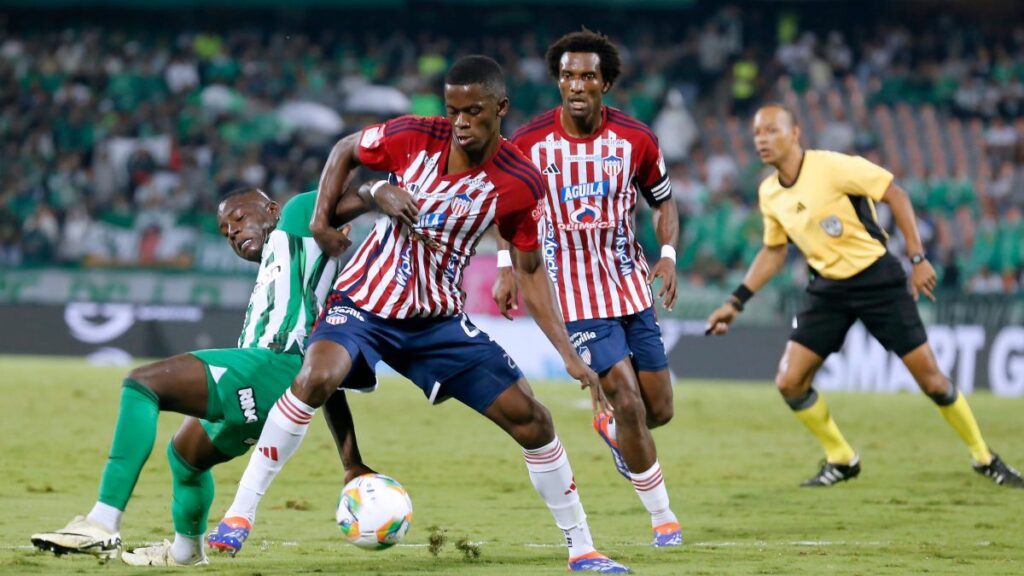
<point>374,512</point>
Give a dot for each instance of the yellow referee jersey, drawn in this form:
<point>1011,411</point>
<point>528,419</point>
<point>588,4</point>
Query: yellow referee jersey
<point>829,212</point>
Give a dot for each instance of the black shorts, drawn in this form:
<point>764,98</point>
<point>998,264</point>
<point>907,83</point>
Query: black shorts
<point>877,296</point>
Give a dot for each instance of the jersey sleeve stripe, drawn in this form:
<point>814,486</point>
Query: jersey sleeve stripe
<point>531,183</point>
<point>434,135</point>
<point>526,166</point>
<point>621,119</point>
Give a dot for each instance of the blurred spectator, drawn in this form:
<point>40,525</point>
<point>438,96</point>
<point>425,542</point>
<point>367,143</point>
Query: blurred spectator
<point>115,144</point>
<point>675,128</point>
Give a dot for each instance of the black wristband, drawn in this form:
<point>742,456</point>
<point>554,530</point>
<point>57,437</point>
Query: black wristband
<point>742,293</point>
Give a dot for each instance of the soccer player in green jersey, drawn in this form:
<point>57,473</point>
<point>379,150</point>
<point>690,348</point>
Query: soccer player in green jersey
<point>225,394</point>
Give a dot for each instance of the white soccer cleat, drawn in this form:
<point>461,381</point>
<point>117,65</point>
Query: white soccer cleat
<point>80,536</point>
<point>160,555</point>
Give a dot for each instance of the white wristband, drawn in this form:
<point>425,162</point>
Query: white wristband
<point>376,186</point>
<point>504,259</point>
<point>668,252</point>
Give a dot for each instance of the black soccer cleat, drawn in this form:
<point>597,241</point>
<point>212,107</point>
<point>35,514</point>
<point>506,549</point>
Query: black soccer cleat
<point>1000,472</point>
<point>833,473</point>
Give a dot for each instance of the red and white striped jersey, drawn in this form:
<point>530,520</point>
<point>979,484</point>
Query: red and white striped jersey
<point>395,274</point>
<point>590,249</point>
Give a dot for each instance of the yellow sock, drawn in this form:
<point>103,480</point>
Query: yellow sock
<point>961,418</point>
<point>813,412</point>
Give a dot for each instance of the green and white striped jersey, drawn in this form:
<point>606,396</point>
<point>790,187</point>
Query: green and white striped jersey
<point>294,280</point>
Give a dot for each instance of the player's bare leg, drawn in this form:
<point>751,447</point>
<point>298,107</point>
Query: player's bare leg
<point>191,454</point>
<point>179,382</point>
<point>629,436</point>
<point>656,391</point>
<point>794,380</point>
<point>529,423</point>
<point>324,368</point>
<point>954,408</point>
<point>631,433</point>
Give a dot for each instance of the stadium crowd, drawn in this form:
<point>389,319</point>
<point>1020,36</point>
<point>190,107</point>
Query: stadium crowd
<point>116,145</point>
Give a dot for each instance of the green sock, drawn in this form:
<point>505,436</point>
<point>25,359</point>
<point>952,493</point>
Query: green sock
<point>193,495</point>
<point>133,441</point>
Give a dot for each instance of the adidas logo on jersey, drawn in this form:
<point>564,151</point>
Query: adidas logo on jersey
<point>551,169</point>
<point>800,207</point>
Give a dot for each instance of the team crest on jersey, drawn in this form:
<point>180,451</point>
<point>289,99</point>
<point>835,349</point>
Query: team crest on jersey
<point>832,226</point>
<point>551,170</point>
<point>612,166</point>
<point>586,214</point>
<point>460,205</point>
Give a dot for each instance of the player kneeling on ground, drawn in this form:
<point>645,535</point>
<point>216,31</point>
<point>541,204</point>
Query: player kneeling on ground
<point>224,394</point>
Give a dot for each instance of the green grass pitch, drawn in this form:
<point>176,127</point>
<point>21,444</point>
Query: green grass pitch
<point>732,457</point>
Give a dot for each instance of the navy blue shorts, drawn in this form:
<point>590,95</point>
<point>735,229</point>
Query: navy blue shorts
<point>446,357</point>
<point>603,342</point>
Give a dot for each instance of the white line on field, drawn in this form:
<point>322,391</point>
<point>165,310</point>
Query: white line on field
<point>709,544</point>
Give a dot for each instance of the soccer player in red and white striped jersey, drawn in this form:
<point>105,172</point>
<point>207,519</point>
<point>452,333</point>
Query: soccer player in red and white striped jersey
<point>597,161</point>
<point>398,300</point>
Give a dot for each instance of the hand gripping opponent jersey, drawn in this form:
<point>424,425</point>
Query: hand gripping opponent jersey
<point>592,183</point>
<point>402,273</point>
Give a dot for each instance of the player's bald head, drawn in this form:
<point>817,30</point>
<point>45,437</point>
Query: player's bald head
<point>246,194</point>
<point>779,114</point>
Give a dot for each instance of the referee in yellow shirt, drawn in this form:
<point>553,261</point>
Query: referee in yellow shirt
<point>823,202</point>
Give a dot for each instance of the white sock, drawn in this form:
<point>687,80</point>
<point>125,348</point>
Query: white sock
<point>286,426</point>
<point>650,487</point>
<point>106,515</point>
<point>552,476</point>
<point>185,549</point>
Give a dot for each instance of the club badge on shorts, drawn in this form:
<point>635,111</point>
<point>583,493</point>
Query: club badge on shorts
<point>585,355</point>
<point>832,226</point>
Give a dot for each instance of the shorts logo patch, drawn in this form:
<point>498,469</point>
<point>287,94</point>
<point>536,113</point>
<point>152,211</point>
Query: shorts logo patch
<point>580,338</point>
<point>585,355</point>
<point>339,315</point>
<point>247,402</point>
<point>832,226</point>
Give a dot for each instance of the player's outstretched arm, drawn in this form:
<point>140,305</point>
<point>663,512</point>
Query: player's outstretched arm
<point>343,159</point>
<point>539,295</point>
<point>767,263</point>
<point>505,290</point>
<point>666,228</point>
<point>339,420</point>
<point>923,278</point>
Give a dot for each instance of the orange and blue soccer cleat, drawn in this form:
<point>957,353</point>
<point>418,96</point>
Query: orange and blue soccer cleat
<point>230,535</point>
<point>604,424</point>
<point>596,562</point>
<point>667,534</point>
